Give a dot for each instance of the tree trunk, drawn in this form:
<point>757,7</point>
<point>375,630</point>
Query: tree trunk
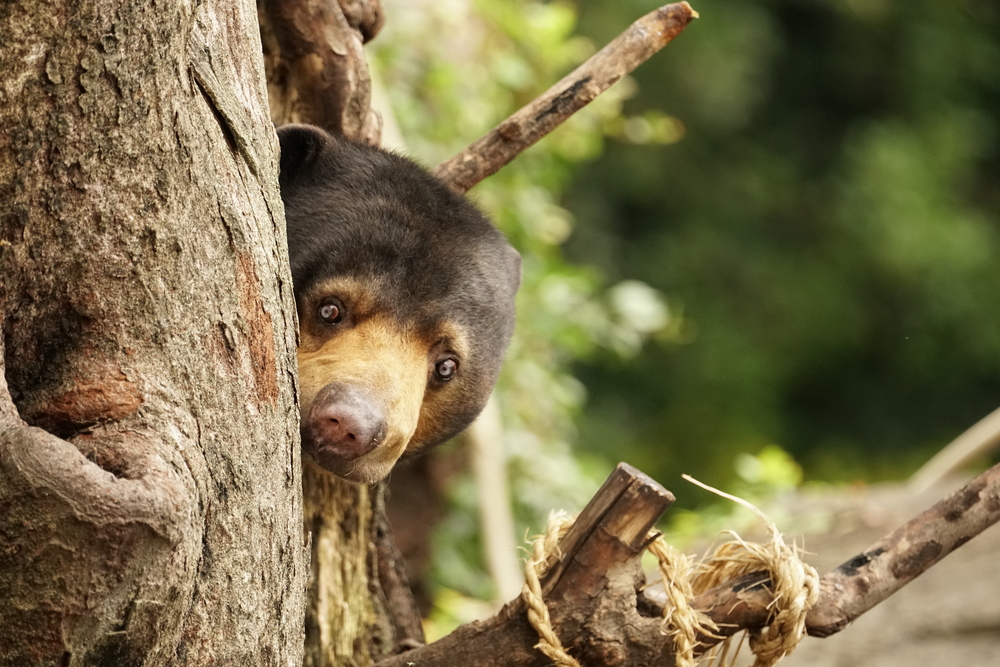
<point>150,479</point>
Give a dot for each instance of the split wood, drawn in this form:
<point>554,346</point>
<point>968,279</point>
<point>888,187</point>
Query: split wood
<point>525,127</point>
<point>316,67</point>
<point>600,618</point>
<point>590,591</point>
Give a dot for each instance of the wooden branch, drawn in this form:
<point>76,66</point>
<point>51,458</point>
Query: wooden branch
<point>316,68</point>
<point>870,577</point>
<point>896,560</point>
<point>390,572</point>
<point>590,592</point>
<point>485,439</point>
<point>629,50</point>
<point>978,440</point>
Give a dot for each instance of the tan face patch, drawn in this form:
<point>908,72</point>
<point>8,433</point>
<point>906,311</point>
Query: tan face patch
<point>391,363</point>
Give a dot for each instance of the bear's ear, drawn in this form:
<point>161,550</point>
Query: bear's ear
<point>300,146</point>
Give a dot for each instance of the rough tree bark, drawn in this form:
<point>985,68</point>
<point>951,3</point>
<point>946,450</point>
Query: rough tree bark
<point>150,499</point>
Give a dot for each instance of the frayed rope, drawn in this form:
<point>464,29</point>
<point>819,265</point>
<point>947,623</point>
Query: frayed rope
<point>796,589</point>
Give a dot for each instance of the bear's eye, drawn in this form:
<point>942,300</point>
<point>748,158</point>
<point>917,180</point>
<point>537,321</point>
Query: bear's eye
<point>446,369</point>
<point>331,313</point>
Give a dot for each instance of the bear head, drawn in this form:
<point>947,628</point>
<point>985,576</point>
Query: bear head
<point>405,299</point>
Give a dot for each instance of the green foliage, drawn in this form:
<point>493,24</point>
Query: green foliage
<point>812,184</point>
<point>829,224</point>
<point>453,71</point>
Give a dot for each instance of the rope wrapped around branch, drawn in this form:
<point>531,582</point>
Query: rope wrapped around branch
<point>796,589</point>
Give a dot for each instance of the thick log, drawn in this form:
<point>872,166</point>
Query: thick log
<point>590,592</point>
<point>525,127</point>
<point>150,499</point>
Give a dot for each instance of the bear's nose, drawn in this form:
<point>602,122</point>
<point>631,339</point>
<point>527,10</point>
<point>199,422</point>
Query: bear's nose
<point>346,422</point>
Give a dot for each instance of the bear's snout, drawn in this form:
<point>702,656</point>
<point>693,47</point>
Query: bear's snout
<point>345,422</point>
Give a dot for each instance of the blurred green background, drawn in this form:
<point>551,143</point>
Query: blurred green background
<point>781,234</point>
<point>829,222</point>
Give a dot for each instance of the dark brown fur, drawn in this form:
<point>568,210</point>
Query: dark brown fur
<point>419,278</point>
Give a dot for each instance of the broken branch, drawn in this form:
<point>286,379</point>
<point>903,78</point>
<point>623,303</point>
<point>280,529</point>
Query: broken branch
<point>525,127</point>
<point>590,592</point>
<point>870,577</point>
<point>590,589</point>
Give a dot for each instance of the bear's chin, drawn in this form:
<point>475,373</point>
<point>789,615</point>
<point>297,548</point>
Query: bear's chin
<point>363,470</point>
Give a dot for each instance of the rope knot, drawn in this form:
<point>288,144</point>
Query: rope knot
<point>796,589</point>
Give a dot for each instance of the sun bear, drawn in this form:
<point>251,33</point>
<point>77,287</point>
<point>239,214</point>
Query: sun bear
<point>405,298</point>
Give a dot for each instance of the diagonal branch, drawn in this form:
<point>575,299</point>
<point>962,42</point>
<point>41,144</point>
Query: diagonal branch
<point>588,592</point>
<point>525,127</point>
<point>873,575</point>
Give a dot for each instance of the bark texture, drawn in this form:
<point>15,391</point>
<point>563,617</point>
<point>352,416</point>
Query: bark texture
<point>150,508</point>
<point>316,68</point>
<point>347,622</point>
